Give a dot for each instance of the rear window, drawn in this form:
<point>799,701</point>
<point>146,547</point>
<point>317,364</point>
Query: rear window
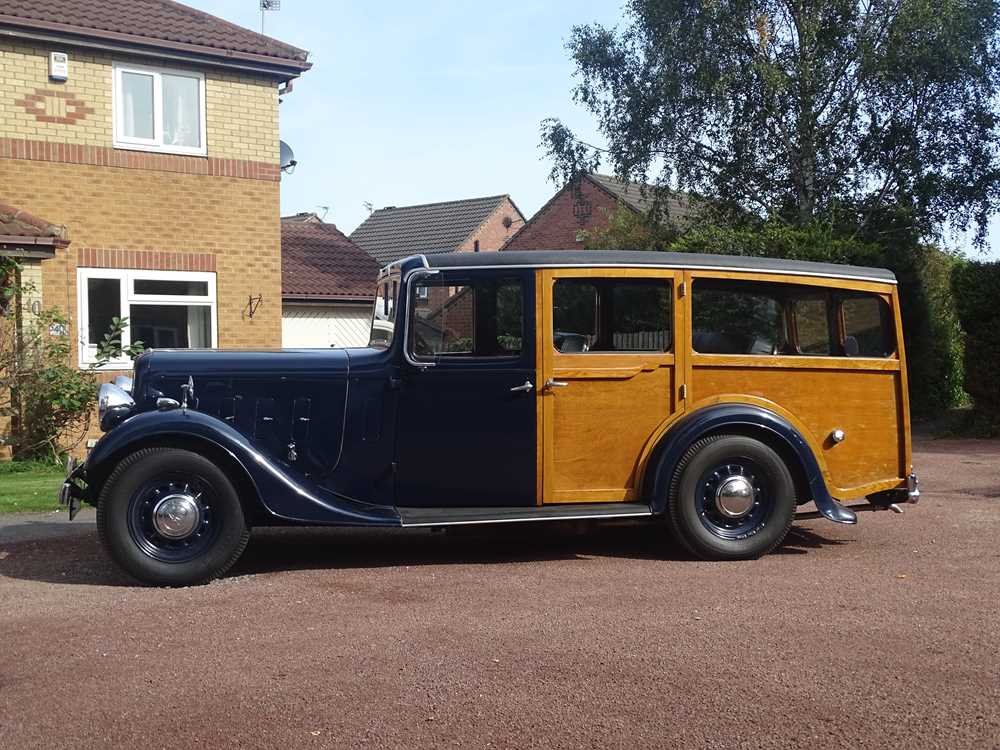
<point>760,318</point>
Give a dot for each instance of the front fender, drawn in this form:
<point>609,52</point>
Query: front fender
<point>742,417</point>
<point>283,492</point>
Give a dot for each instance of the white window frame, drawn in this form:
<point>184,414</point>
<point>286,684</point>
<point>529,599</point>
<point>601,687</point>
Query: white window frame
<point>155,143</point>
<point>87,351</point>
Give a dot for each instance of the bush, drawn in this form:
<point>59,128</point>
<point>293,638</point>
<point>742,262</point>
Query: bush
<point>46,399</point>
<point>977,294</point>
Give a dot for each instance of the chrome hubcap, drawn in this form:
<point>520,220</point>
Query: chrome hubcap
<point>735,497</point>
<point>176,516</point>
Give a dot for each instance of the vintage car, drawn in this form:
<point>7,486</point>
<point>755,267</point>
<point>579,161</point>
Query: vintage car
<point>711,395</point>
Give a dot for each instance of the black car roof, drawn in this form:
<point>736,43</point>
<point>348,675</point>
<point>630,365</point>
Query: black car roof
<point>633,258</point>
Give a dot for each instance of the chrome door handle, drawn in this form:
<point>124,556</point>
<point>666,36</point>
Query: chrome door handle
<point>550,383</point>
<point>528,386</point>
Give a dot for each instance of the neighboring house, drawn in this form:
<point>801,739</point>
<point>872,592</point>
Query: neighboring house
<point>150,129</point>
<point>587,206</point>
<point>327,284</point>
<point>473,224</point>
<point>28,240</point>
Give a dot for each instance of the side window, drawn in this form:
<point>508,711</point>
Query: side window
<point>812,324</point>
<point>611,315</point>
<point>867,327</point>
<point>454,318</point>
<point>734,318</point>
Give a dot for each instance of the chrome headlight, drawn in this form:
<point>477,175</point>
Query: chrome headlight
<point>113,405</point>
<point>124,382</point>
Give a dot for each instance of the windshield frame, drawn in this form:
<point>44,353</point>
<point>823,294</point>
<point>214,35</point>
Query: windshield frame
<point>387,291</point>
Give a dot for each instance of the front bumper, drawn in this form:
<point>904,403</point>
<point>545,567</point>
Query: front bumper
<point>74,490</point>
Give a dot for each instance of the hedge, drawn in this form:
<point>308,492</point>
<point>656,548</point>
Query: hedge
<point>977,296</point>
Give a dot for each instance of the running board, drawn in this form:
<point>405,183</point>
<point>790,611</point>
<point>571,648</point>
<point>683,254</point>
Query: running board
<point>562,512</point>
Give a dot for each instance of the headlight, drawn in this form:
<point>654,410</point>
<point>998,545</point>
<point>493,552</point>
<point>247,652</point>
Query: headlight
<point>124,382</point>
<point>113,405</point>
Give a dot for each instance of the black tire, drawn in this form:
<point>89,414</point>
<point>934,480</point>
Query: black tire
<point>697,517</point>
<point>126,525</point>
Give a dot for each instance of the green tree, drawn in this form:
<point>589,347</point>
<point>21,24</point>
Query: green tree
<point>799,111</point>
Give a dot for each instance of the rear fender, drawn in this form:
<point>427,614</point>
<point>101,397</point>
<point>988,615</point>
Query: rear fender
<point>743,419</point>
<point>282,492</point>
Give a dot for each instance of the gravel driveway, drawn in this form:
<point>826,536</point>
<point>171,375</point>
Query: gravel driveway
<point>882,634</point>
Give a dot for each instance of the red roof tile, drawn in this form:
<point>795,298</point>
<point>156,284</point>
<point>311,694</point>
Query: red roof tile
<point>17,223</point>
<point>319,262</point>
<point>152,22</point>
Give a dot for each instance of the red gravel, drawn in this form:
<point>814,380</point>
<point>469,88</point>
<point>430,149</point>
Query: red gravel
<point>882,634</point>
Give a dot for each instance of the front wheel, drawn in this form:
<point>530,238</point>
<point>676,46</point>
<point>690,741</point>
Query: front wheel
<point>731,498</point>
<point>171,517</point>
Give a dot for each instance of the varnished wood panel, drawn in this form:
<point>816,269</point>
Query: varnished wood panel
<point>865,403</point>
<point>593,431</point>
<point>599,428</point>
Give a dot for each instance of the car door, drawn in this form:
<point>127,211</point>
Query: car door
<point>610,378</point>
<point>467,410</point>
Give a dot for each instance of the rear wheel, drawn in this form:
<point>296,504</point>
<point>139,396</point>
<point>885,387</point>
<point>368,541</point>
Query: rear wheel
<point>732,498</point>
<point>171,517</point>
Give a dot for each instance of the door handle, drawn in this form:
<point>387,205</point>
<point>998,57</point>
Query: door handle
<point>550,383</point>
<point>527,387</point>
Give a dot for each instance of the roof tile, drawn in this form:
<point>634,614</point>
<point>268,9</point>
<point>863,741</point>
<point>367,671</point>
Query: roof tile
<point>160,20</point>
<point>319,262</point>
<point>393,233</point>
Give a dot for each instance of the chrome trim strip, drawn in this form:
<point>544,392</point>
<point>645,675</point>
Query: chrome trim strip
<point>670,266</point>
<point>635,514</point>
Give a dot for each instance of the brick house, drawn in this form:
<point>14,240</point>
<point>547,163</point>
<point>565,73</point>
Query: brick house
<point>472,225</point>
<point>327,285</point>
<point>586,206</point>
<point>150,130</point>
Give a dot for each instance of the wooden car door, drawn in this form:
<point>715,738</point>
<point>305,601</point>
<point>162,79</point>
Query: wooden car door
<point>607,378</point>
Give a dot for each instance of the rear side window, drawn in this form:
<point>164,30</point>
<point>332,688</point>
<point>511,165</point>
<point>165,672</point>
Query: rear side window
<point>743,317</point>
<point>868,330</point>
<point>732,318</point>
<point>467,318</point>
<point>811,317</point>
<point>611,315</point>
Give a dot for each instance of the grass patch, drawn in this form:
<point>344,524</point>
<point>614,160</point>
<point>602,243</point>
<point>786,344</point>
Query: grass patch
<point>30,486</point>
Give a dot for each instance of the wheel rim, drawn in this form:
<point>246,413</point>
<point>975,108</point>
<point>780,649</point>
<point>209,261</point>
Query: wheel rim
<point>171,518</point>
<point>734,498</point>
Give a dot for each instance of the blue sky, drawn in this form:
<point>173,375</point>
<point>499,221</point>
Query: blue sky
<point>420,102</point>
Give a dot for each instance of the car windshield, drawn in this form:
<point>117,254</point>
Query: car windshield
<point>383,316</point>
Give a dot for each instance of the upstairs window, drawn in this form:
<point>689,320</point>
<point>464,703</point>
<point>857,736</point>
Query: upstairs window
<point>157,109</point>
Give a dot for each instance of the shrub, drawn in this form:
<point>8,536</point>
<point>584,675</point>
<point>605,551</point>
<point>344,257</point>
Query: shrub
<point>977,294</point>
<point>46,399</point>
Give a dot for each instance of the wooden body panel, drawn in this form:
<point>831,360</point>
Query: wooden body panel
<point>595,429</point>
<point>596,435</point>
<point>862,403</point>
<point>864,397</point>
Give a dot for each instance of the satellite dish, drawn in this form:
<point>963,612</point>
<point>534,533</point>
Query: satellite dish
<point>287,158</point>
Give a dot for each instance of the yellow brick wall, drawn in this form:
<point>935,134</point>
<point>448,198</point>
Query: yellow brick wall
<point>241,111</point>
<point>235,219</point>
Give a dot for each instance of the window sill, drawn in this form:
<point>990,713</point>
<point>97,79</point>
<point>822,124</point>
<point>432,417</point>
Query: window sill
<point>166,150</point>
